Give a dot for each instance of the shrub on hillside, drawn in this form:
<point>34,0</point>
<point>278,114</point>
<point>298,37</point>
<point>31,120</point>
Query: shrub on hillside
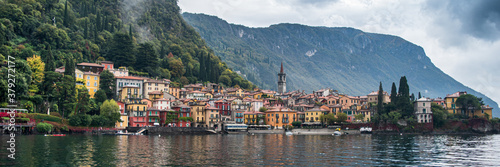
<point>80,120</point>
<point>44,127</point>
<point>100,120</point>
<point>46,117</point>
<point>55,114</point>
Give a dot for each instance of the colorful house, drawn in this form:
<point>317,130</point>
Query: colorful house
<point>184,113</point>
<point>253,117</point>
<point>137,112</point>
<point>153,85</point>
<point>314,114</point>
<point>450,100</point>
<point>91,82</point>
<point>90,67</point>
<point>224,107</point>
<point>280,117</point>
<point>123,116</point>
<point>198,113</point>
<point>212,116</point>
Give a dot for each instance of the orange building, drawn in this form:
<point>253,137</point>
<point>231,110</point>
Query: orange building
<point>279,117</point>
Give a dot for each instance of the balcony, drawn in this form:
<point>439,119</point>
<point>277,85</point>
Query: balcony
<point>153,120</point>
<point>153,114</point>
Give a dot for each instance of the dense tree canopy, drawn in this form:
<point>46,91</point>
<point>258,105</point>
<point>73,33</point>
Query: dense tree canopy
<point>65,33</point>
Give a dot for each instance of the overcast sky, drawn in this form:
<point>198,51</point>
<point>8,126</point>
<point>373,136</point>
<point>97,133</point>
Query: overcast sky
<point>461,37</point>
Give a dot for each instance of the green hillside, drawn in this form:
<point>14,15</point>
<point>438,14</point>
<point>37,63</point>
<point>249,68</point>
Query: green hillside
<point>346,59</point>
<point>149,37</point>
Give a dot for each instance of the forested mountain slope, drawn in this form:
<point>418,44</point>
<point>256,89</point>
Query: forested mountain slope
<point>345,59</point>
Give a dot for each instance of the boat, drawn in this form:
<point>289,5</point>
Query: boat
<point>55,134</point>
<point>365,130</point>
<point>235,128</point>
<point>337,133</point>
<point>288,133</point>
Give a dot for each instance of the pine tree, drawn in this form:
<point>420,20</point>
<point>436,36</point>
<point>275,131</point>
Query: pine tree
<point>147,59</point>
<point>380,104</point>
<point>122,50</point>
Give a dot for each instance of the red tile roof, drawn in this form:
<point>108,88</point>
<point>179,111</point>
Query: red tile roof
<point>130,77</point>
<point>90,64</point>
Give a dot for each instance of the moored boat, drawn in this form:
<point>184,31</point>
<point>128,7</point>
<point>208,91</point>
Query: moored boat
<point>55,134</point>
<point>365,130</point>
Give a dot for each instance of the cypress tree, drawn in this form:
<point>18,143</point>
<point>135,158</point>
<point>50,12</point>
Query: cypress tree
<point>412,97</point>
<point>202,67</point>
<point>419,96</point>
<point>130,31</point>
<point>394,93</point>
<point>98,21</point>
<point>66,14</point>
<point>49,61</point>
<point>380,98</point>
<point>86,29</point>
<point>69,68</point>
<point>404,90</point>
<point>95,34</point>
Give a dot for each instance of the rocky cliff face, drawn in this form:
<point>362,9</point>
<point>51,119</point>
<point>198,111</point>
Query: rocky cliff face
<point>346,59</point>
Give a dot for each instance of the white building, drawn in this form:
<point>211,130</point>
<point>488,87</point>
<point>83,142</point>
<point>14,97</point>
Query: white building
<point>423,111</point>
<point>161,104</point>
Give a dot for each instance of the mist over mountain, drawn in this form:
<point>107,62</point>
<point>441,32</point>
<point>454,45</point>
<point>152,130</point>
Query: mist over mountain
<point>345,59</point>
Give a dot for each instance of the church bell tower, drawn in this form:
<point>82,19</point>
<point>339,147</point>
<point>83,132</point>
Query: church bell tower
<point>281,81</point>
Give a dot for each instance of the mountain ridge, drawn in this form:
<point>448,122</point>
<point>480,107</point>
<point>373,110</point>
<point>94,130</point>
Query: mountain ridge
<point>342,58</point>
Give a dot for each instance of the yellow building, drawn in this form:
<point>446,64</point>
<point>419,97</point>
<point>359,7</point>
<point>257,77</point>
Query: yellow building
<point>153,85</point>
<point>212,116</point>
<point>280,116</point>
<point>450,100</point>
<point>209,95</point>
<point>257,95</point>
<point>253,117</point>
<point>128,91</point>
<point>198,114</point>
<point>123,124</point>
<point>313,115</point>
<point>155,95</point>
<point>483,111</point>
<point>174,92</point>
<point>235,91</point>
<point>91,82</point>
<point>80,82</point>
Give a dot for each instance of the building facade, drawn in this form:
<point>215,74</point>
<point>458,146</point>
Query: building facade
<point>130,80</point>
<point>151,85</point>
<point>423,111</point>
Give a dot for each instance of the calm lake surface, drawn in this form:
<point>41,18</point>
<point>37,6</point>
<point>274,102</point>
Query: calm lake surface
<point>254,150</point>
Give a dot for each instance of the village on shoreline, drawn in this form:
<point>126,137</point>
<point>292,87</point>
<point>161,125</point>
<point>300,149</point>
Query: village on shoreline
<point>147,102</point>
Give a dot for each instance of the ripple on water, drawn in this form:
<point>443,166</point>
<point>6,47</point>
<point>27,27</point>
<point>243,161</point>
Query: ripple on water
<point>256,150</point>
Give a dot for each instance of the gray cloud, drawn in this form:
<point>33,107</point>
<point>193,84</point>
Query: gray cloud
<point>479,18</point>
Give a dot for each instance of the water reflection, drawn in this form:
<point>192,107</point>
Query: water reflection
<point>254,150</point>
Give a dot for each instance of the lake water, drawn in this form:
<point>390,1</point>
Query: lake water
<point>254,150</point>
